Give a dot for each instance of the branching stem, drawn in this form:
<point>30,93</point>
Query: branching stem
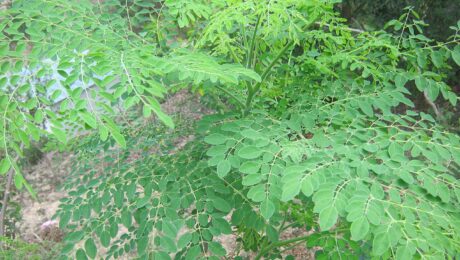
<point>252,91</point>
<point>265,250</point>
<point>240,103</point>
<point>253,40</point>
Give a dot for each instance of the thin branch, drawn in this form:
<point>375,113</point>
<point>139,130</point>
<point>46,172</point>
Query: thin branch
<point>251,48</point>
<point>345,29</point>
<point>433,105</point>
<point>241,103</point>
<point>281,243</point>
<point>6,194</point>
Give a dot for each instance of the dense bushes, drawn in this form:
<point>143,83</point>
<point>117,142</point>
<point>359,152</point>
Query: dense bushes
<point>318,115</point>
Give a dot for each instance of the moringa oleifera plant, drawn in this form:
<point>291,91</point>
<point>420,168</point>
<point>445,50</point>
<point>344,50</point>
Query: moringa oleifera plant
<point>321,130</point>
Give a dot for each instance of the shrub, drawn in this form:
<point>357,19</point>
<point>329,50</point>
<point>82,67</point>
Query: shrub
<point>319,115</point>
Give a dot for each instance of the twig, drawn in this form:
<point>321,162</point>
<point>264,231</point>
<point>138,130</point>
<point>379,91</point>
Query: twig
<point>240,103</point>
<point>265,250</point>
<point>433,105</point>
<point>346,28</point>
<point>6,194</point>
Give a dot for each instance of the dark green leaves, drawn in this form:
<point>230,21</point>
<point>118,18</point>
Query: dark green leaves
<point>75,236</point>
<point>142,243</point>
<point>221,204</point>
<point>80,254</point>
<point>184,240</point>
<point>104,237</point>
<point>126,218</point>
<point>217,249</point>
<point>90,248</point>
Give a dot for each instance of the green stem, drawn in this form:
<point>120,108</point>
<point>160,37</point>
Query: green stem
<point>282,223</point>
<point>263,251</point>
<point>288,226</point>
<point>232,53</point>
<point>253,91</point>
<point>251,48</point>
<point>240,103</point>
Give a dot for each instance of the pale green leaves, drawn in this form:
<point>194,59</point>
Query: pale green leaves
<point>215,139</point>
<point>405,251</point>
<point>167,120</point>
<point>5,165</point>
<point>366,107</point>
<point>59,134</point>
<point>456,54</point>
<point>328,218</point>
<point>359,228</point>
<point>250,133</point>
<point>396,151</point>
<point>119,138</point>
<point>400,80</point>
<point>89,119</point>
<point>249,152</point>
<point>437,59</point>
<point>421,83</point>
<point>199,67</point>
<point>290,190</point>
<point>249,167</point>
<point>381,243</point>
<point>307,186</point>
<point>267,208</point>
<point>257,193</point>
<point>223,168</point>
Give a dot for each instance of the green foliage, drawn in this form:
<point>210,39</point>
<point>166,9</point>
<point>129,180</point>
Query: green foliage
<point>374,14</point>
<point>18,249</point>
<point>380,175</point>
<point>61,74</point>
<point>167,202</point>
<point>322,131</point>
